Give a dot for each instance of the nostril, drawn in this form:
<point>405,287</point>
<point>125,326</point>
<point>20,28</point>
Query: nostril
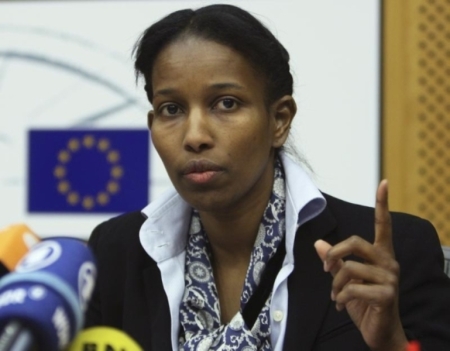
<point>197,147</point>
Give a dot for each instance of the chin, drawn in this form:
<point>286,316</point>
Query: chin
<point>207,202</point>
<point>208,205</point>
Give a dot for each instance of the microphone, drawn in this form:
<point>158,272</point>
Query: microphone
<point>43,302</point>
<point>16,240</point>
<point>103,338</point>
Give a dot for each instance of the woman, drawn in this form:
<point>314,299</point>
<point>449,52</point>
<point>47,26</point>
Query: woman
<point>233,258</point>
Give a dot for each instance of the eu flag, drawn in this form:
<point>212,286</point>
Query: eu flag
<point>88,171</point>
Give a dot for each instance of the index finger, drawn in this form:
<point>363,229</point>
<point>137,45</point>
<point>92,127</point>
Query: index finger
<point>383,223</point>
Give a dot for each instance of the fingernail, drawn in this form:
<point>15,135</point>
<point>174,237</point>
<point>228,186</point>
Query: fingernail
<point>333,297</point>
<point>325,266</point>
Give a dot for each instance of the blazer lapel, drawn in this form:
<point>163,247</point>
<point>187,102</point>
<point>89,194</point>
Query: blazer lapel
<point>158,336</point>
<point>309,286</point>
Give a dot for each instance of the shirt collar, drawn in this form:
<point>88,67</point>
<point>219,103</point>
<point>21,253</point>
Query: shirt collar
<point>302,196</point>
<point>164,234</point>
<point>304,201</point>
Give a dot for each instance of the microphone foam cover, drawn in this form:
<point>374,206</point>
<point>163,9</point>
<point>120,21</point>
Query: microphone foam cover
<point>103,338</point>
<point>16,240</point>
<point>50,290</point>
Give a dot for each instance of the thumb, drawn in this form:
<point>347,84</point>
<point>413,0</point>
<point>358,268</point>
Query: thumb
<point>322,248</point>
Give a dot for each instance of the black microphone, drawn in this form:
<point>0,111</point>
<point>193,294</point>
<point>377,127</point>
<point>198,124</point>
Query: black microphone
<point>42,303</point>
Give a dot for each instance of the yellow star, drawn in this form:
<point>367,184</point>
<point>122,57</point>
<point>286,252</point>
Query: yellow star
<point>103,144</point>
<point>88,141</point>
<point>59,172</point>
<point>73,145</point>
<point>113,187</point>
<point>102,198</point>
<point>88,202</point>
<point>63,156</point>
<point>63,187</point>
<point>117,172</point>
<point>113,156</point>
<point>73,198</point>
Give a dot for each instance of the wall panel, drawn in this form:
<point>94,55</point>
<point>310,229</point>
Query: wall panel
<point>416,111</point>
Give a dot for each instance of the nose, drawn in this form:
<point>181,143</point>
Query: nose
<point>198,136</point>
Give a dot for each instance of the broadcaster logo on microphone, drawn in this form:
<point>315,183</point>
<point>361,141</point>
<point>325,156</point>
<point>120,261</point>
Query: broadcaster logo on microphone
<point>86,283</point>
<point>43,255</point>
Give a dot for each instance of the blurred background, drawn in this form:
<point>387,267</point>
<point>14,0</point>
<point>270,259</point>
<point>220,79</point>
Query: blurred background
<point>372,83</point>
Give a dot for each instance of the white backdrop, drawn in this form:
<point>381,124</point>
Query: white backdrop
<point>334,48</point>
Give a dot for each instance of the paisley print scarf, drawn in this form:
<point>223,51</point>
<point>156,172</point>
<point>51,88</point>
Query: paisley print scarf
<point>201,328</point>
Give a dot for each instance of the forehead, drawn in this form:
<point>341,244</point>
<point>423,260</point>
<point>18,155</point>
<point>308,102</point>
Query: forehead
<point>202,62</point>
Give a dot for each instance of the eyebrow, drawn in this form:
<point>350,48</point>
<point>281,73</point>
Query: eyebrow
<point>217,86</point>
<point>223,86</point>
<point>168,91</point>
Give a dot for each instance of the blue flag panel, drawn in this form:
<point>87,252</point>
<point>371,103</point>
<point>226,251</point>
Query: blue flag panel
<point>88,171</point>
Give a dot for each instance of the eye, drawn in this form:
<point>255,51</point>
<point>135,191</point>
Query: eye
<point>227,104</point>
<point>169,110</point>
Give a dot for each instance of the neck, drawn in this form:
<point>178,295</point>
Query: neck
<point>232,233</point>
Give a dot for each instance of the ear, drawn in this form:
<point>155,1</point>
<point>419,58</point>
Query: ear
<point>150,116</point>
<point>283,111</point>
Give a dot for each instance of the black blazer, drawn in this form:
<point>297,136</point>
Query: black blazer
<point>129,294</point>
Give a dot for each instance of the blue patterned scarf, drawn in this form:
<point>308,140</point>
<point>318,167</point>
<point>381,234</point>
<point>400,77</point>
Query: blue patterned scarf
<point>201,328</point>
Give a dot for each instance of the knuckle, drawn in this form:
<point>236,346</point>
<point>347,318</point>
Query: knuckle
<point>351,289</point>
<point>391,266</point>
<point>354,240</point>
<point>347,265</point>
<point>388,293</point>
<point>391,280</point>
<point>394,267</point>
<point>382,221</point>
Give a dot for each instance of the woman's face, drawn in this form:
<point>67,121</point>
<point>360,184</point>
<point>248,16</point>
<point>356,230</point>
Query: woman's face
<point>211,126</point>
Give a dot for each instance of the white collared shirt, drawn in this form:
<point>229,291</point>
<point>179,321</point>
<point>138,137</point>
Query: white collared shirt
<point>164,236</point>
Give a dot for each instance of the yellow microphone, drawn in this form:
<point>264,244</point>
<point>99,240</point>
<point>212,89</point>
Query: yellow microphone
<point>103,338</point>
<point>15,241</point>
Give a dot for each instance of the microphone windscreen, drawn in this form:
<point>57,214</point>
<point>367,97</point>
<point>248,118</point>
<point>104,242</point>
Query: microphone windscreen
<point>49,291</point>
<point>103,338</point>
<point>15,241</point>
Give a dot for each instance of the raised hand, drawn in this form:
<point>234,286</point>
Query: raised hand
<point>368,290</point>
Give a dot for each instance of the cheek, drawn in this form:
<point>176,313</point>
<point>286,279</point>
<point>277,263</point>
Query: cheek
<point>163,146</point>
<point>257,141</point>
<point>251,152</point>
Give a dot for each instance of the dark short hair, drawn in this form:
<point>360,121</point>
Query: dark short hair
<point>225,24</point>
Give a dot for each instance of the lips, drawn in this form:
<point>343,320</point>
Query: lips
<point>201,171</point>
<point>201,166</point>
